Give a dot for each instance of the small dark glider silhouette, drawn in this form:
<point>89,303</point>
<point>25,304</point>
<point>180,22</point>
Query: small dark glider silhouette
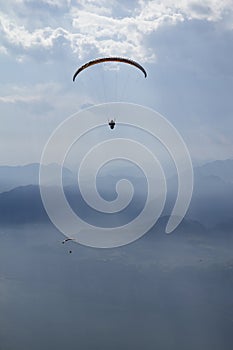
<point>66,240</point>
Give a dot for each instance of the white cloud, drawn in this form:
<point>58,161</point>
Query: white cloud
<point>103,7</point>
<point>20,36</point>
<point>31,95</point>
<point>3,50</point>
<point>18,98</point>
<point>111,34</point>
<point>55,3</point>
<point>104,27</point>
<point>211,10</point>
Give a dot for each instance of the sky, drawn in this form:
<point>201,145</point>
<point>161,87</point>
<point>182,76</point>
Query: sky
<point>185,46</point>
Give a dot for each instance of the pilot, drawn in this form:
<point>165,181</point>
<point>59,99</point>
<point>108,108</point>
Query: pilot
<point>112,124</point>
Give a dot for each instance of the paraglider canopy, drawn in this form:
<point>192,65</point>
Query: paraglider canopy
<point>111,59</point>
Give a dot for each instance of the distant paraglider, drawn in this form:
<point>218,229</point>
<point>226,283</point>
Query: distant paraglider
<point>66,240</point>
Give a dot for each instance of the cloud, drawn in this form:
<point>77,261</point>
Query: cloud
<point>19,36</point>
<point>104,27</point>
<point>3,50</point>
<point>210,10</point>
<point>33,92</point>
<point>33,99</point>
<point>101,7</point>
<point>18,98</point>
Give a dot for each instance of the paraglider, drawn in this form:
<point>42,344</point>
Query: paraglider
<point>66,240</point>
<point>112,122</point>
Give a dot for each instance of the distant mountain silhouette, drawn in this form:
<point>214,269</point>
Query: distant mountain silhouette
<point>212,200</point>
<point>15,176</point>
<point>211,204</point>
<point>22,205</point>
<point>220,168</point>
